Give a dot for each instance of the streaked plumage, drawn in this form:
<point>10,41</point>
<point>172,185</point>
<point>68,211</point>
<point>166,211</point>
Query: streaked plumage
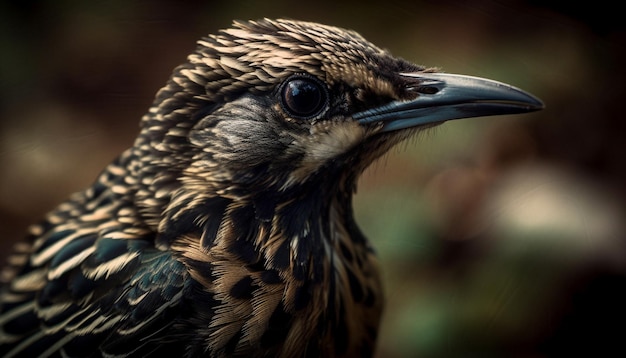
<point>227,228</point>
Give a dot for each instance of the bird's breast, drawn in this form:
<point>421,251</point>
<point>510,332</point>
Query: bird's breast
<point>274,293</point>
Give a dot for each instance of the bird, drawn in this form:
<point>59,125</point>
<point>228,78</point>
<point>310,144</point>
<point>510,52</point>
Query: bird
<point>227,228</point>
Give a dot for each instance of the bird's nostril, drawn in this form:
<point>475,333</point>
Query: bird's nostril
<point>427,89</point>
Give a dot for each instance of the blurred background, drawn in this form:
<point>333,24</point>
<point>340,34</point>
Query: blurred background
<point>498,237</point>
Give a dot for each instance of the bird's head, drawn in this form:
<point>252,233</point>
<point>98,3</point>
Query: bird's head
<point>276,106</point>
<point>279,103</point>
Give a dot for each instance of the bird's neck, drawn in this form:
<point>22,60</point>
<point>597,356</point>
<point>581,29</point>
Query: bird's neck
<point>280,260</point>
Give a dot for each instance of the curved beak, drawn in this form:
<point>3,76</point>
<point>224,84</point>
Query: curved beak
<point>443,97</point>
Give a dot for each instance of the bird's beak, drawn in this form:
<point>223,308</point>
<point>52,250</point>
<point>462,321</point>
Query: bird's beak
<point>444,97</point>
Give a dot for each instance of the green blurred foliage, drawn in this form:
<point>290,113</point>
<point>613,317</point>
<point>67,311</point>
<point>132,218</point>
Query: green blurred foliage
<point>497,236</point>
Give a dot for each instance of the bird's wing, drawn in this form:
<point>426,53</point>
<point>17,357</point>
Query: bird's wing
<point>82,290</point>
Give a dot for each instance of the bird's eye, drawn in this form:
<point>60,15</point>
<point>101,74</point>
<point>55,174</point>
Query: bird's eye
<point>303,97</point>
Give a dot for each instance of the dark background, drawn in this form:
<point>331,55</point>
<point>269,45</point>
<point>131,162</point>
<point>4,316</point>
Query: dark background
<point>499,236</point>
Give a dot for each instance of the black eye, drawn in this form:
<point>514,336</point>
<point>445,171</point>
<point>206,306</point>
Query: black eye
<point>303,97</point>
